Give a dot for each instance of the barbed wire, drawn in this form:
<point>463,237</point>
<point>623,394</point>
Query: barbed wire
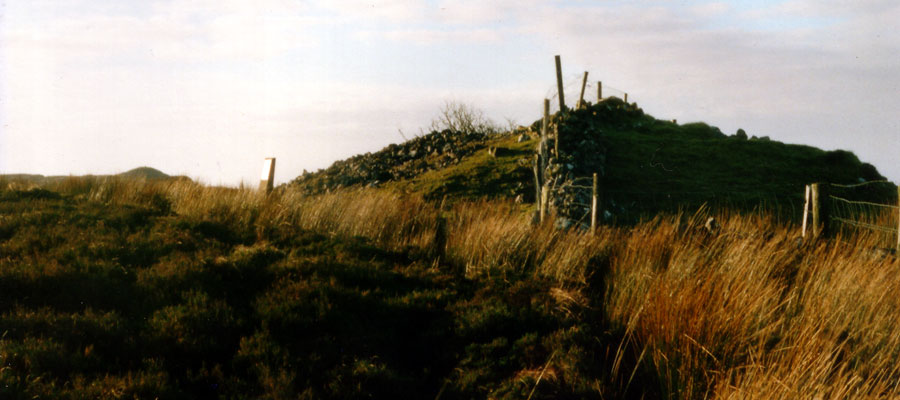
<point>858,184</point>
<point>858,224</point>
<point>867,203</point>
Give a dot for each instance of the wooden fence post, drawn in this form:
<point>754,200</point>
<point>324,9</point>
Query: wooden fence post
<point>267,180</point>
<point>559,85</point>
<point>626,99</point>
<point>556,143</point>
<point>805,210</point>
<point>898,221</point>
<point>599,91</point>
<point>537,182</point>
<point>544,194</point>
<point>545,125</point>
<point>594,206</point>
<point>819,200</point>
<point>583,85</point>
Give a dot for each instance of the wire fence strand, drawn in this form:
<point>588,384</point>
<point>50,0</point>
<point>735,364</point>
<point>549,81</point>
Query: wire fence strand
<point>859,224</point>
<point>855,185</point>
<point>864,203</point>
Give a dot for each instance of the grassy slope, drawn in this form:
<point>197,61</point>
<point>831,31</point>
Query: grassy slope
<point>479,175</point>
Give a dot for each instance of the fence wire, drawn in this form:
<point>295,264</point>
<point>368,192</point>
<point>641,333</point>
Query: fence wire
<point>572,91</point>
<point>851,214</point>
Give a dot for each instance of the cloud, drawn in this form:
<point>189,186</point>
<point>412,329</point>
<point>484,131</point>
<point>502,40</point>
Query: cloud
<point>169,31</point>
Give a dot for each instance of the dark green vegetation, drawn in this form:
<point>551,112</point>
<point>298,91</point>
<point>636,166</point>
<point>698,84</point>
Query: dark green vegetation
<point>134,301</point>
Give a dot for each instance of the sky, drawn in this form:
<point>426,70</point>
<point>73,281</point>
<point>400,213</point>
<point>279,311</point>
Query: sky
<point>209,88</point>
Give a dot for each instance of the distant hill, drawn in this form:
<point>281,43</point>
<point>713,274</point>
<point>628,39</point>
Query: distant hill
<point>646,165</point>
<point>145,173</point>
<point>136,173</point>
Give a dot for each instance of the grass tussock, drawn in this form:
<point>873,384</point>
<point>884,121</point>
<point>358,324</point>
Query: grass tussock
<point>111,288</point>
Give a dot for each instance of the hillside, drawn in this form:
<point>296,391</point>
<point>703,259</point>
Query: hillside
<point>646,165</point>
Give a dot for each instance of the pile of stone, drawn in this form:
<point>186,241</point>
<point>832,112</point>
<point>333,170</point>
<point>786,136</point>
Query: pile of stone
<point>568,176</point>
<point>435,150</point>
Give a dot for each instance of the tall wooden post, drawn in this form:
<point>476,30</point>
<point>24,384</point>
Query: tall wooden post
<point>805,211</point>
<point>559,85</point>
<point>267,180</point>
<point>545,125</point>
<point>546,121</point>
<point>583,85</point>
<point>898,221</point>
<point>594,206</point>
<point>556,142</point>
<point>626,99</point>
<point>819,199</point>
<point>545,193</point>
<point>599,91</point>
<point>537,182</point>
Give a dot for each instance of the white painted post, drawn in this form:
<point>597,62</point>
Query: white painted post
<point>267,180</point>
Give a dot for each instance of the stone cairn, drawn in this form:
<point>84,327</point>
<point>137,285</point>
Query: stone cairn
<point>571,150</point>
<point>435,150</point>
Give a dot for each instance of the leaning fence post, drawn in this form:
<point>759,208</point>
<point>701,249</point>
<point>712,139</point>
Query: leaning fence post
<point>559,85</point>
<point>583,85</point>
<point>805,210</point>
<point>594,206</point>
<point>267,180</point>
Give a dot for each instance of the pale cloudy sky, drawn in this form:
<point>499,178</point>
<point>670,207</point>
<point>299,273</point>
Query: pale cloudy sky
<point>208,88</point>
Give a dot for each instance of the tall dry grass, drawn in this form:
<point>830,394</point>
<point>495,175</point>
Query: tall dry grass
<point>749,312</point>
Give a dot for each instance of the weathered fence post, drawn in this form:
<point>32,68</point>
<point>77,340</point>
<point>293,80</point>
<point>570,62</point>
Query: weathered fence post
<point>583,85</point>
<point>805,210</point>
<point>559,85</point>
<point>545,192</point>
<point>537,182</point>
<point>267,180</point>
<point>556,142</point>
<point>819,200</point>
<point>594,206</point>
<point>545,125</point>
<point>626,99</point>
<point>898,220</point>
<point>599,91</point>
